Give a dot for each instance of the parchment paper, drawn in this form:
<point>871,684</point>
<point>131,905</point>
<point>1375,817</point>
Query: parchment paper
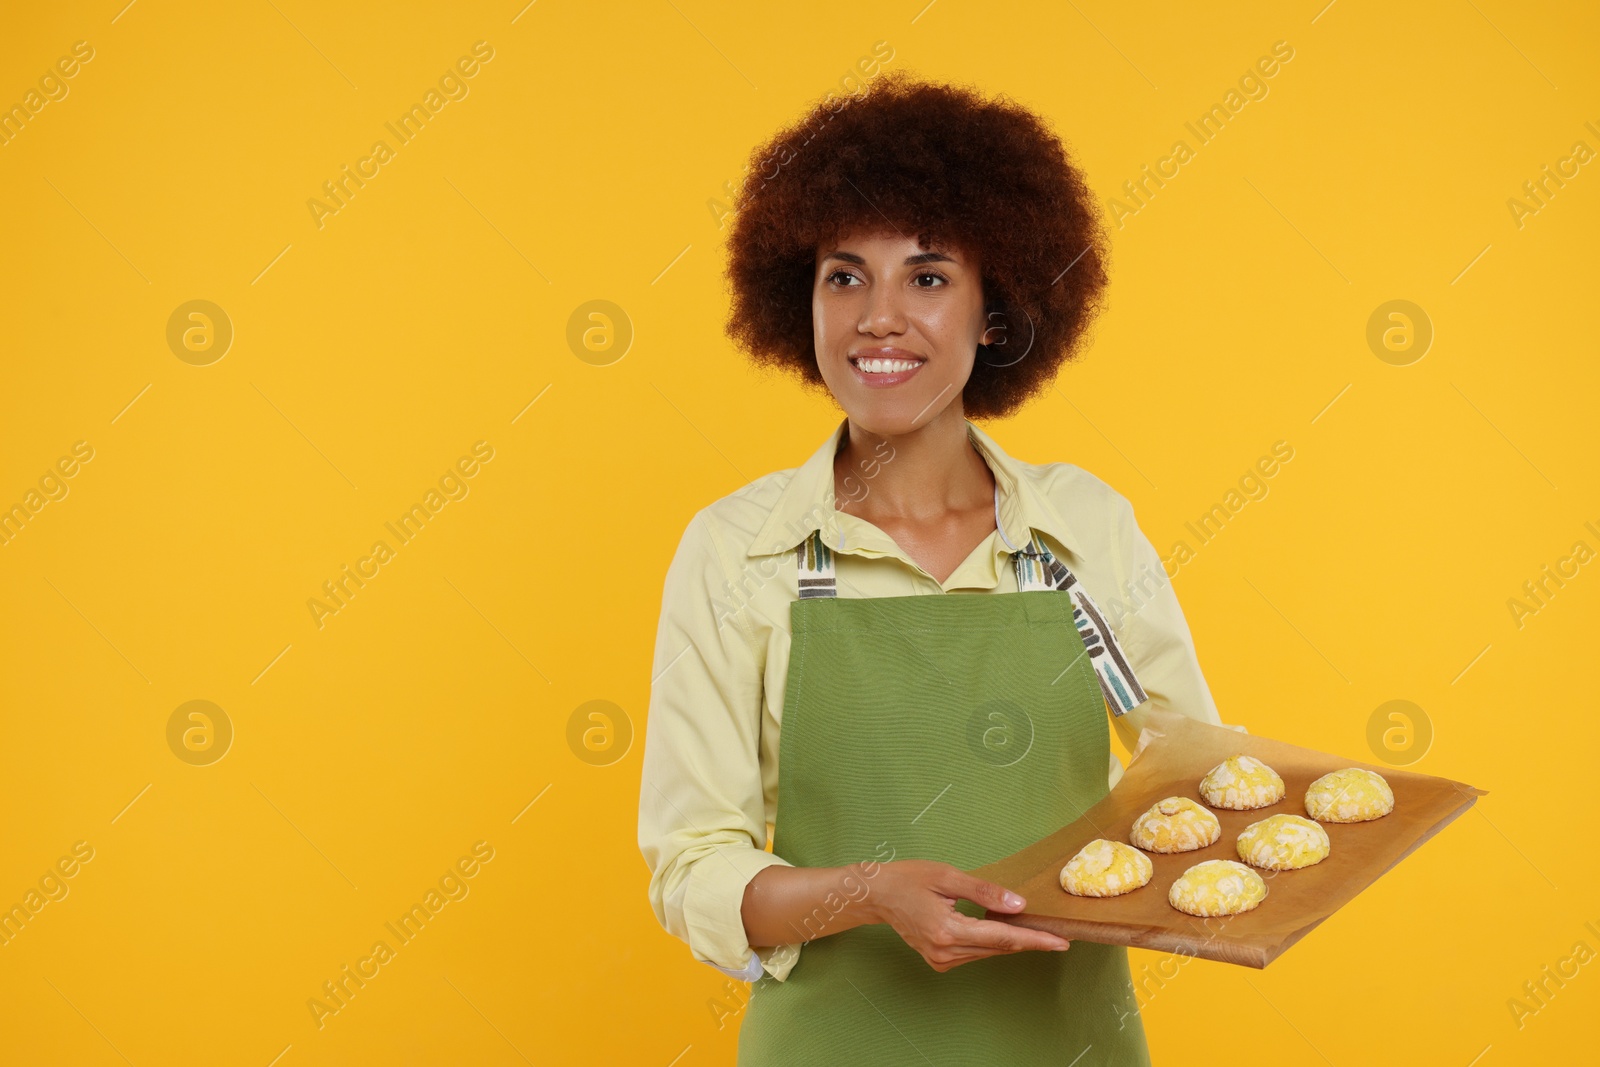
<point>1173,753</point>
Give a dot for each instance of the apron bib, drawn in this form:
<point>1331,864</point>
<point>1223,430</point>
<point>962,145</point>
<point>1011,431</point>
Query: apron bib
<point>954,728</point>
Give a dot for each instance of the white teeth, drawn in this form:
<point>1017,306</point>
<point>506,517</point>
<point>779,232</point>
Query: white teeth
<point>886,366</point>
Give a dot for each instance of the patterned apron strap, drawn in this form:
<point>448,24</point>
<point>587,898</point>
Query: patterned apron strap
<point>1038,568</point>
<point>816,567</point>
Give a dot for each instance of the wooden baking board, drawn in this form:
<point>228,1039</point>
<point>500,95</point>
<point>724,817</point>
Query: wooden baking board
<point>1173,753</point>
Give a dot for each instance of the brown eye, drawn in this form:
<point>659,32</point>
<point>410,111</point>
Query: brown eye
<point>929,280</point>
<point>842,277</point>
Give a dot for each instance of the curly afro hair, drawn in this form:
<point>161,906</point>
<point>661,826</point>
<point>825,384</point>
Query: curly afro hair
<point>941,161</point>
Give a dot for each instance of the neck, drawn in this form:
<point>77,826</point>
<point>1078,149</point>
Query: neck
<point>918,476</point>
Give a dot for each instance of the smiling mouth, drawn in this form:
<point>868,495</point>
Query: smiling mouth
<point>884,364</point>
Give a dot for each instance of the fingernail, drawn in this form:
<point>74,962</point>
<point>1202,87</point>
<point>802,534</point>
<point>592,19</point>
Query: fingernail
<point>1063,948</point>
<point>1013,901</point>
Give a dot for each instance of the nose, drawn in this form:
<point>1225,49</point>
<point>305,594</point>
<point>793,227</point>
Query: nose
<point>882,314</point>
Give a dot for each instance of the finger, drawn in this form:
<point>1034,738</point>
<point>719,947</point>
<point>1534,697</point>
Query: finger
<point>975,952</point>
<point>957,958</point>
<point>995,897</point>
<point>951,955</point>
<point>988,933</point>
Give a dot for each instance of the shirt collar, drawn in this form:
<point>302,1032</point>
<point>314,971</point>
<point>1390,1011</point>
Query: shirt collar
<point>807,501</point>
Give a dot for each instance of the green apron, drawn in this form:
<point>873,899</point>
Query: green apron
<point>958,728</point>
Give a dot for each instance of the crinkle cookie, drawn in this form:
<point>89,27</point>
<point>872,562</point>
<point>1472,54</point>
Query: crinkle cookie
<point>1240,783</point>
<point>1217,887</point>
<point>1176,824</point>
<point>1106,869</point>
<point>1283,843</point>
<point>1351,795</point>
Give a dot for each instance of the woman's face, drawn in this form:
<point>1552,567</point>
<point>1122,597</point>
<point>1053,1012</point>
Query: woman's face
<point>896,328</point>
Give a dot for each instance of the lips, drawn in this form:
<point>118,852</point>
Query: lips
<point>885,366</point>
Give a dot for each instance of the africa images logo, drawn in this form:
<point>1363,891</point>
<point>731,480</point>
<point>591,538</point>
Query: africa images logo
<point>452,85</point>
<point>342,589</point>
<point>337,992</point>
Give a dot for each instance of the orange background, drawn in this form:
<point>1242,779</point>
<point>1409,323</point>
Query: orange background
<point>430,312</point>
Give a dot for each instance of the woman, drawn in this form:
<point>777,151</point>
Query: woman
<point>928,257</point>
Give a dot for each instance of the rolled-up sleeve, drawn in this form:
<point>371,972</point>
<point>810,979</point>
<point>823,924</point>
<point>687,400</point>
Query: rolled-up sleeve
<point>1154,635</point>
<point>702,820</point>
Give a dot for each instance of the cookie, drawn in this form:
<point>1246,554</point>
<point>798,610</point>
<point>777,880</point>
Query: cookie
<point>1240,783</point>
<point>1106,869</point>
<point>1351,795</point>
<point>1217,887</point>
<point>1176,824</point>
<point>1283,843</point>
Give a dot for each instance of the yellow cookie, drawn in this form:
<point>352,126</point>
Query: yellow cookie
<point>1176,824</point>
<point>1351,795</point>
<point>1217,887</point>
<point>1105,869</point>
<point>1240,783</point>
<point>1283,843</point>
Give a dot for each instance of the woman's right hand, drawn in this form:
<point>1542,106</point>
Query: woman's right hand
<point>917,898</point>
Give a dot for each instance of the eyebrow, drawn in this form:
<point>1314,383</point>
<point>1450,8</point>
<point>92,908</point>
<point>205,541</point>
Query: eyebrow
<point>911,261</point>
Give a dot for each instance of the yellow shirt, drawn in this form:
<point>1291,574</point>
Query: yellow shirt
<point>710,778</point>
